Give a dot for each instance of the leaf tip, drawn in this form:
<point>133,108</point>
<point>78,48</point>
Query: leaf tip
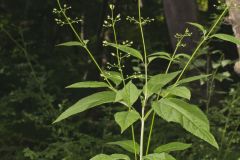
<point>57,120</point>
<point>216,146</point>
<point>58,45</point>
<point>54,122</point>
<point>67,87</point>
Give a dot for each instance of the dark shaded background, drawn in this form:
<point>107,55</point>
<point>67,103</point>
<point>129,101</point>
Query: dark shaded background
<point>34,73</point>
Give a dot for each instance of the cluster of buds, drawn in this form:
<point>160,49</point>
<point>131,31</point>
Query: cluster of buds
<point>221,5</point>
<point>119,67</point>
<point>144,21</point>
<point>67,20</point>
<point>179,37</point>
<point>132,20</point>
<point>127,43</point>
<point>121,55</point>
<point>111,20</point>
<point>105,43</point>
<point>62,10</point>
<point>110,66</point>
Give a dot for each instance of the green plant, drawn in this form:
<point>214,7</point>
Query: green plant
<point>230,124</point>
<point>165,94</point>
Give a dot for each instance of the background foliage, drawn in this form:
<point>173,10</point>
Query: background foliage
<point>34,73</point>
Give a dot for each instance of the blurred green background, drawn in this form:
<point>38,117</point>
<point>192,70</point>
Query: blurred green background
<point>34,74</point>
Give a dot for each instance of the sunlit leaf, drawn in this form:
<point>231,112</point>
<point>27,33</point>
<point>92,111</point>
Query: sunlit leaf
<point>228,38</point>
<point>88,84</point>
<point>126,119</point>
<point>129,94</point>
<point>128,145</point>
<point>159,156</point>
<point>87,103</point>
<point>101,157</point>
<point>179,91</point>
<point>119,157</point>
<point>71,43</point>
<point>189,116</point>
<point>190,79</point>
<point>115,77</point>
<point>110,157</point>
<point>158,81</point>
<point>173,146</point>
<point>199,26</point>
<point>161,55</point>
<point>126,49</point>
<point>182,55</point>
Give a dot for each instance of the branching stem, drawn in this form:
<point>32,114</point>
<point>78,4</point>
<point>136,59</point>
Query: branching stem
<point>122,75</point>
<point>203,40</point>
<point>154,114</point>
<point>85,46</point>
<point>146,81</point>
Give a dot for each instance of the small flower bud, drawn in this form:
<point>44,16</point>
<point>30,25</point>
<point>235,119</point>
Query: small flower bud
<point>111,6</point>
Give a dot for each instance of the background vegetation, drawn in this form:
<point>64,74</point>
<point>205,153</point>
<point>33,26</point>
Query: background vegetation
<point>34,74</point>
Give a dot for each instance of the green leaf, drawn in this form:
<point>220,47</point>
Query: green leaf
<point>71,43</point>
<point>110,157</point>
<point>228,38</point>
<point>126,119</point>
<point>161,55</point>
<point>128,145</point>
<point>87,103</point>
<point>158,81</point>
<point>179,91</point>
<point>182,55</point>
<point>115,77</point>
<point>119,157</point>
<point>89,84</point>
<point>226,62</point>
<point>126,49</point>
<point>173,146</point>
<point>189,116</point>
<point>203,5</point>
<point>102,157</point>
<point>159,156</point>
<point>223,76</point>
<point>199,26</point>
<point>215,65</point>
<point>129,94</point>
<point>190,79</point>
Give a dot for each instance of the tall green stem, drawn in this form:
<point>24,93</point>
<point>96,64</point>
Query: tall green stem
<point>150,133</point>
<point>146,81</point>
